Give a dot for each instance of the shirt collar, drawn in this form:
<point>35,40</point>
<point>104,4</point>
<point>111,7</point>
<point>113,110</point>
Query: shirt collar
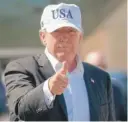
<point>57,65</point>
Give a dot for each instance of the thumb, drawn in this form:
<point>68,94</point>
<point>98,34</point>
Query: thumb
<point>64,68</point>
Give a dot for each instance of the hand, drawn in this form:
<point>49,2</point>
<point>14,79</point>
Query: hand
<point>59,81</point>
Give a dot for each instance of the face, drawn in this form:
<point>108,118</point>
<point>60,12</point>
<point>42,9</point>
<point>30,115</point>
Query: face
<point>62,43</point>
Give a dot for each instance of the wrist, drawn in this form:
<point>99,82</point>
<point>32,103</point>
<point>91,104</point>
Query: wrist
<point>49,86</point>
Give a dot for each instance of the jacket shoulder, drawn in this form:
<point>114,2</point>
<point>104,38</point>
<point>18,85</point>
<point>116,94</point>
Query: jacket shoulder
<point>25,63</point>
<point>94,70</point>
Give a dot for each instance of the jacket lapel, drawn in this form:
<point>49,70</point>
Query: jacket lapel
<point>45,67</point>
<point>47,71</point>
<point>91,89</point>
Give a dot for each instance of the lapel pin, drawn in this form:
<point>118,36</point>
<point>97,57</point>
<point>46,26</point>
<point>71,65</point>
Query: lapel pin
<point>92,80</point>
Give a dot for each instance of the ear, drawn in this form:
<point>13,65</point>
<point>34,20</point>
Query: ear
<point>42,37</point>
<point>81,37</point>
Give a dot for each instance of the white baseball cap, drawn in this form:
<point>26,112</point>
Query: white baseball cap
<point>61,15</point>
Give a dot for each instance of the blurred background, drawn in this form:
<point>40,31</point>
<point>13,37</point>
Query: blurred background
<point>105,30</point>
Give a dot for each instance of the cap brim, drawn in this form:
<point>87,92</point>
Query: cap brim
<point>52,27</point>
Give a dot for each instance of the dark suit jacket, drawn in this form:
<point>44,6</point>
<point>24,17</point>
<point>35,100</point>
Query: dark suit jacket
<point>25,78</point>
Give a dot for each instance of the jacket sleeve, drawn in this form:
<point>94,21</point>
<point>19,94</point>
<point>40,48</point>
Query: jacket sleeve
<point>111,105</point>
<point>25,100</point>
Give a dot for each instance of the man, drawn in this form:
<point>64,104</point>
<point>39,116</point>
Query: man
<point>98,59</point>
<point>56,85</point>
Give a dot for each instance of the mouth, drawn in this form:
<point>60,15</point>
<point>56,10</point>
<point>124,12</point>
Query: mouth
<point>63,46</point>
<point>64,49</point>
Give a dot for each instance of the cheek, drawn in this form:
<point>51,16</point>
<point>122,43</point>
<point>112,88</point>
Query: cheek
<point>76,47</point>
<point>51,44</point>
<point>76,42</point>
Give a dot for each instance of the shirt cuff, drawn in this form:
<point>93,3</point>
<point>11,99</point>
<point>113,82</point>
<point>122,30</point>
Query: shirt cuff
<point>48,96</point>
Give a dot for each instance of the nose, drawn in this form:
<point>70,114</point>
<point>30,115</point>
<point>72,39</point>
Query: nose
<point>64,38</point>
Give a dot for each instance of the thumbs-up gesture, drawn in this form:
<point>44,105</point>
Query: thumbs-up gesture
<point>59,81</point>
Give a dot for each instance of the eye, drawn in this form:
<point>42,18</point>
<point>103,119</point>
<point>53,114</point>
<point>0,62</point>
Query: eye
<point>56,31</point>
<point>72,32</point>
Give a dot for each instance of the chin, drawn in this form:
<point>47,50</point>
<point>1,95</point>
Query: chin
<point>62,57</point>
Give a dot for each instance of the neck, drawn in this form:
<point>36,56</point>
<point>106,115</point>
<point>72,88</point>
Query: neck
<point>72,65</point>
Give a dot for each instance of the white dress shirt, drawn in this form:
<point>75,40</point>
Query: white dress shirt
<point>75,94</point>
